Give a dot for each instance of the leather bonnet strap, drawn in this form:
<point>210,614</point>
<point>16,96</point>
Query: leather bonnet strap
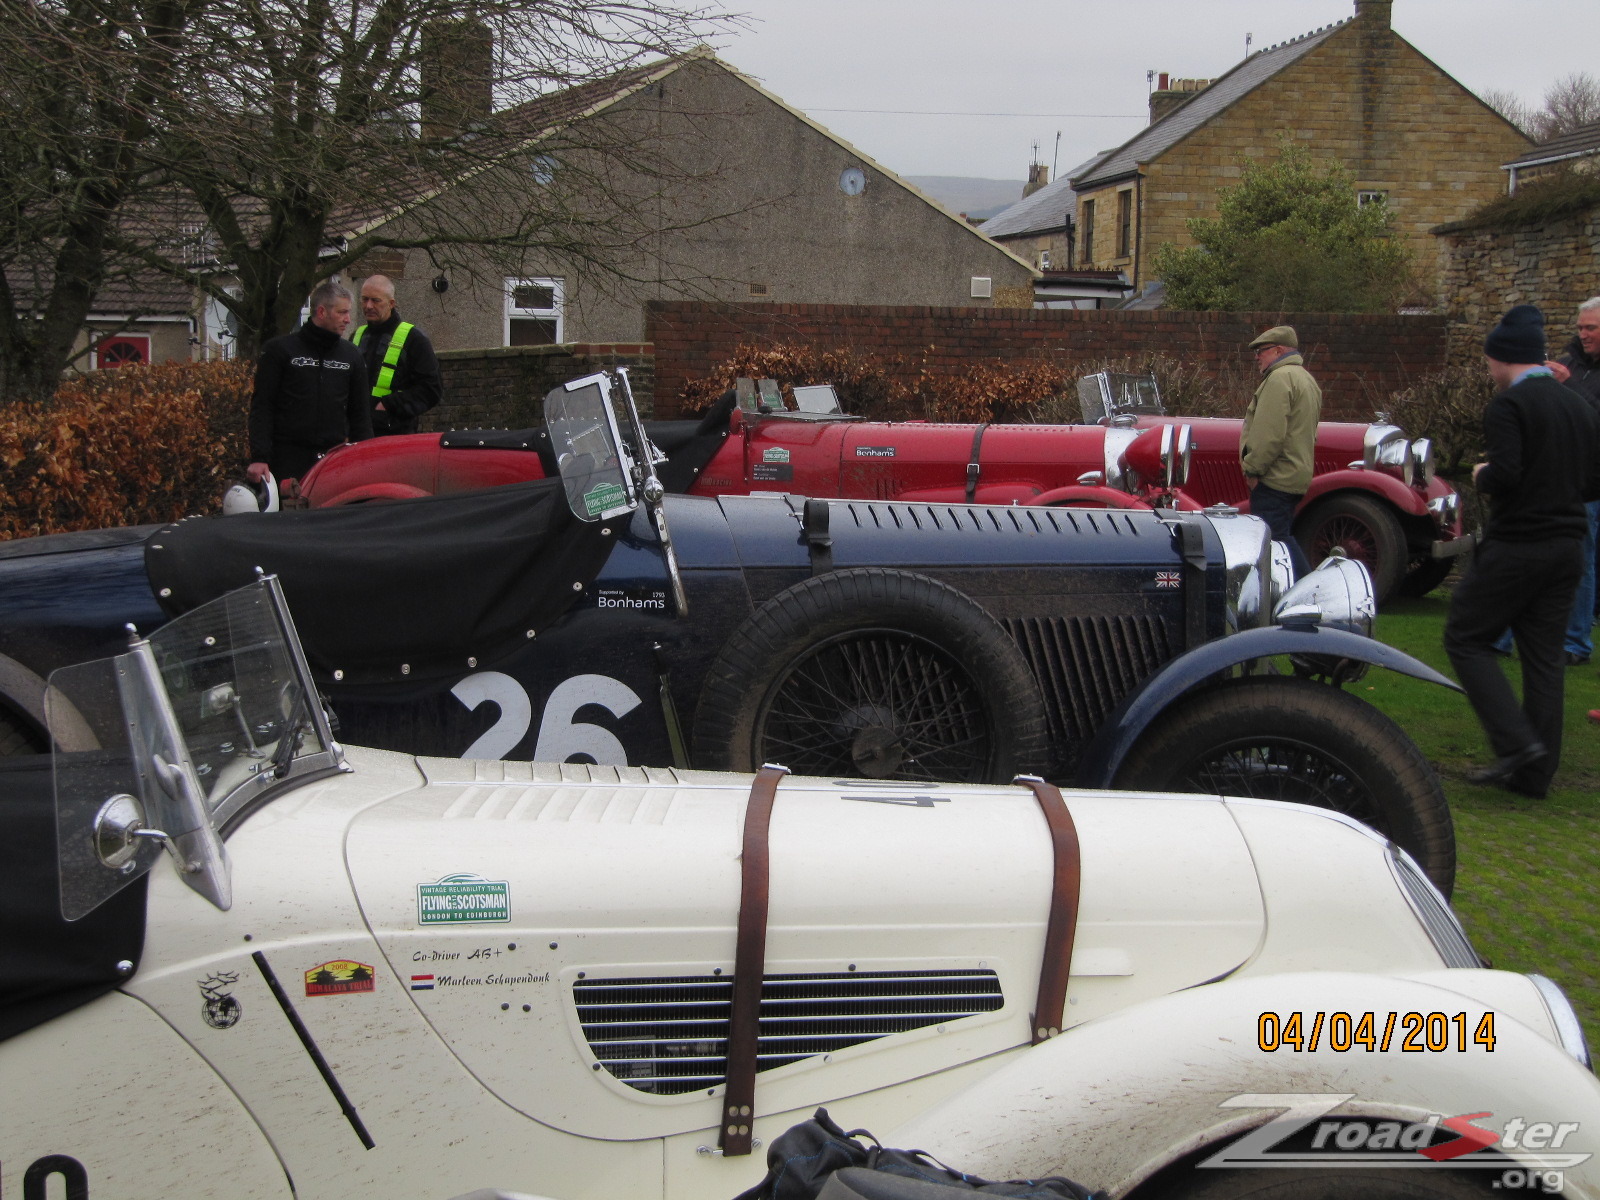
<point>749,963</point>
<point>1056,967</point>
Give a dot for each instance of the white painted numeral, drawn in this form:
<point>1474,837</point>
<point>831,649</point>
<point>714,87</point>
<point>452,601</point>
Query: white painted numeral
<point>560,737</point>
<point>516,713</point>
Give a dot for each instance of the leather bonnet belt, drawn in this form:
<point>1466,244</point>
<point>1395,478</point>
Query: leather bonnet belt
<point>1062,927</point>
<point>749,964</point>
<point>972,461</point>
<point>750,952</point>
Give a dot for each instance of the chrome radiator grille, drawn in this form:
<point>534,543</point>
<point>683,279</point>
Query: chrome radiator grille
<point>669,1035</point>
<point>1085,666</point>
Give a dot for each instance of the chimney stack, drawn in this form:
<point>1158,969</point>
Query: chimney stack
<point>457,76</point>
<point>1170,93</point>
<point>1038,176</point>
<point>1379,12</point>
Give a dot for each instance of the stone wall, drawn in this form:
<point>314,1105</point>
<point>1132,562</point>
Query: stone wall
<point>1554,264</point>
<point>1358,360</point>
<point>505,388</point>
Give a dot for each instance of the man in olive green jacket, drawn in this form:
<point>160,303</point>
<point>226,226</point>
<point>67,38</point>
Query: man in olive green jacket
<point>1280,429</point>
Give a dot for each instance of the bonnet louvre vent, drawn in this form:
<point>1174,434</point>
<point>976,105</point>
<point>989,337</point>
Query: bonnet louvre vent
<point>669,1036</point>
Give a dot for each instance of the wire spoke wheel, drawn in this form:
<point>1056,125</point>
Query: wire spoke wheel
<point>872,673</point>
<point>1365,529</point>
<point>881,704</point>
<point>1294,740</point>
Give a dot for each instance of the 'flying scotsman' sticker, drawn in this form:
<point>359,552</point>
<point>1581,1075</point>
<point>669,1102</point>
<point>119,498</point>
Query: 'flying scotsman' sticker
<point>603,497</point>
<point>874,451</point>
<point>775,454</point>
<point>458,899</point>
<point>338,977</point>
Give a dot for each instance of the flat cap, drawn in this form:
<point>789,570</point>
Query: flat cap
<point>1278,335</point>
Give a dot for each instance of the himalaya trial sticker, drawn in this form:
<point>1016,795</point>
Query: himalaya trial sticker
<point>458,899</point>
<point>338,978</point>
<point>775,454</point>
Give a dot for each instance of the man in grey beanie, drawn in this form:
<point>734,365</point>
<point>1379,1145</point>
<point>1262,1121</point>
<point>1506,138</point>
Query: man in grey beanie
<point>1542,445</point>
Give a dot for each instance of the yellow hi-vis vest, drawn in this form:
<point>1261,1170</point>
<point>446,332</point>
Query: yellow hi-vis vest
<point>391,356</point>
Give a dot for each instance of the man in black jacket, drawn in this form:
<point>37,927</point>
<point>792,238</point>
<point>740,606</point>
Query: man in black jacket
<point>401,365</point>
<point>1542,442</point>
<point>310,391</point>
<point>1579,369</point>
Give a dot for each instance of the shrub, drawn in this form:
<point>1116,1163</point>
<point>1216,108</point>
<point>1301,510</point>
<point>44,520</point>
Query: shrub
<point>132,446</point>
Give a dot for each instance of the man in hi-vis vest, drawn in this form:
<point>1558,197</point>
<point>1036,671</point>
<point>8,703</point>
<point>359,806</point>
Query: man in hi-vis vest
<point>400,361</point>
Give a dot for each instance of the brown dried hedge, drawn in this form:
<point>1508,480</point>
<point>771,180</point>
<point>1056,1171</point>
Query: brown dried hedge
<point>125,447</point>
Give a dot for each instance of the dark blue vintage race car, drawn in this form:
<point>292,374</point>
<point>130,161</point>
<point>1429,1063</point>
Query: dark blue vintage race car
<point>590,618</point>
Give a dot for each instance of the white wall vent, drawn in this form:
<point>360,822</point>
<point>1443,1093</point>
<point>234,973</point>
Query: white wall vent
<point>982,287</point>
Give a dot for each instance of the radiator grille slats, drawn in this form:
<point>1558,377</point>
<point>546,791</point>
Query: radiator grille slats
<point>668,1036</point>
<point>1085,666</point>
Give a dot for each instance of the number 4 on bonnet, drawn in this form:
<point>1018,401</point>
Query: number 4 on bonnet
<point>816,1160</point>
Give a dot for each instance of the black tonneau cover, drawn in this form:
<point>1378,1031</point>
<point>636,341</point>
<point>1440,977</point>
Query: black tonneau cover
<point>406,590</point>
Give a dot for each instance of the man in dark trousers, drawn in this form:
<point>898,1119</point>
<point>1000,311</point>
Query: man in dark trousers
<point>1279,432</point>
<point>311,391</point>
<point>1542,443</point>
<point>401,365</point>
<point>1579,369</point>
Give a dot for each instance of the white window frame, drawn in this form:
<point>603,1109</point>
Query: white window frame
<point>1367,196</point>
<point>557,311</point>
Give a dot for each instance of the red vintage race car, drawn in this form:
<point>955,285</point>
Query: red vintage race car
<point>1375,494</point>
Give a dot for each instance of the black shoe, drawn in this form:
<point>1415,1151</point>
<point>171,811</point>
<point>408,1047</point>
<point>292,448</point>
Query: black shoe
<point>1504,768</point>
<point>1574,659</point>
<point>1533,791</point>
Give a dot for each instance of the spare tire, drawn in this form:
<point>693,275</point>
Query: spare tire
<point>1279,738</point>
<point>876,673</point>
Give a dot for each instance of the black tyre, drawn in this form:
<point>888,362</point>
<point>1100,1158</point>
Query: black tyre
<point>1279,738</point>
<point>18,738</point>
<point>1424,575</point>
<point>1364,528</point>
<point>1331,1183</point>
<point>876,673</point>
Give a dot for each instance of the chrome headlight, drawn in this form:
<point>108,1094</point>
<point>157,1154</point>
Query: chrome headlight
<point>1282,574</point>
<point>1446,509</point>
<point>1422,457</point>
<point>1337,593</point>
<point>1118,439</point>
<point>1247,554</point>
<point>1433,910</point>
<point>1385,448</point>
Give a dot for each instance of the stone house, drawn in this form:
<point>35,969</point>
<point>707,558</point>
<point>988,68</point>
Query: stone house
<point>1411,136</point>
<point>771,208</point>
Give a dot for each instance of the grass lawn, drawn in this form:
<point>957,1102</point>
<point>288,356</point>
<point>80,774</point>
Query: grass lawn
<point>1528,884</point>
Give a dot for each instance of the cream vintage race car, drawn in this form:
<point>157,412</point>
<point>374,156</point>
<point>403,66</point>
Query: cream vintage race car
<point>375,975</point>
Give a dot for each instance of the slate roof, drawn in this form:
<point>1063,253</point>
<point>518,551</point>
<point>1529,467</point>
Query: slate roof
<point>1053,206</point>
<point>1581,141</point>
<point>1156,139</point>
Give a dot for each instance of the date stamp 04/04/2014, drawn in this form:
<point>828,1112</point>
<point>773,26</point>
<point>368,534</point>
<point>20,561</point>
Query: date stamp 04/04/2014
<point>1374,1032</point>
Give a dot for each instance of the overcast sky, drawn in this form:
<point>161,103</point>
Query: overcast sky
<point>1078,66</point>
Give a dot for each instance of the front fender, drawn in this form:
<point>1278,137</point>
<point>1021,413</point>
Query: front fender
<point>1408,500</point>
<point>1089,496</point>
<point>1113,1102</point>
<point>1128,721</point>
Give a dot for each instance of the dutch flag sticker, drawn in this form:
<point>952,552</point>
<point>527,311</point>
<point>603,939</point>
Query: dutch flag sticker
<point>422,983</point>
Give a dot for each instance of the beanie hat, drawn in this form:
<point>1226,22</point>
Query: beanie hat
<point>1278,335</point>
<point>1519,338</point>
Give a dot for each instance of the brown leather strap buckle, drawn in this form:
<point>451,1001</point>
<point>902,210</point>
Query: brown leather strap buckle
<point>1056,967</point>
<point>749,964</point>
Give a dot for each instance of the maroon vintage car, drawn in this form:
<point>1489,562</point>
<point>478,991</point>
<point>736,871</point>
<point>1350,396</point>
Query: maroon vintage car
<point>1375,494</point>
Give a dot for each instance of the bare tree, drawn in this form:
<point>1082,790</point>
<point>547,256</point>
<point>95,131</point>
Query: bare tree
<point>79,84</point>
<point>1570,103</point>
<point>334,128</point>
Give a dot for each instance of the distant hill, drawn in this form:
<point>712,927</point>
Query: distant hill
<point>963,194</point>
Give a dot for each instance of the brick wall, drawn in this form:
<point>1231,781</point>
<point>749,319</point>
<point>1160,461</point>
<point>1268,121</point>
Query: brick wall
<point>1358,360</point>
<point>505,388</point>
<point>1554,264</point>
